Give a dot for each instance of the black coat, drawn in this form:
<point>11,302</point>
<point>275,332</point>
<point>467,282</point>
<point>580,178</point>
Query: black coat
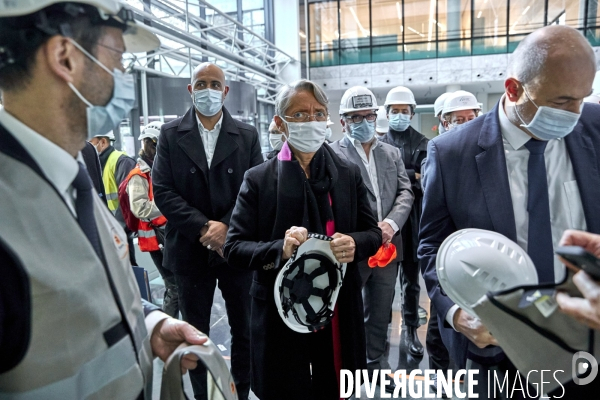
<point>92,163</point>
<point>189,194</point>
<point>255,241</point>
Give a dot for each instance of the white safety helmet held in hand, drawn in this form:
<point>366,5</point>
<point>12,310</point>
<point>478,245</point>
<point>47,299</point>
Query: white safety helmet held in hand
<point>400,95</point>
<point>460,100</point>
<point>472,262</point>
<point>438,106</point>
<point>151,131</point>
<point>357,98</point>
<point>137,37</point>
<point>110,136</point>
<point>307,287</point>
<point>382,125</point>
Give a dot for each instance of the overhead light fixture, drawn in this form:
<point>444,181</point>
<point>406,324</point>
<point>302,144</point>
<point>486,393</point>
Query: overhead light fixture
<point>399,10</point>
<point>430,28</point>
<point>415,31</point>
<point>362,29</point>
<point>479,15</point>
<point>302,35</point>
<point>525,10</point>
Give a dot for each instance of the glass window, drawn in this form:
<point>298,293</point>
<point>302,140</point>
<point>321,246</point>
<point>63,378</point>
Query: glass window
<point>226,6</point>
<point>355,32</point>
<point>566,12</point>
<point>489,27</point>
<point>252,4</point>
<point>420,22</point>
<point>386,18</point>
<point>593,13</point>
<point>323,25</point>
<point>526,16</point>
<point>454,19</point>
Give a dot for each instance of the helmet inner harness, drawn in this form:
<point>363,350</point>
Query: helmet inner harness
<point>303,279</point>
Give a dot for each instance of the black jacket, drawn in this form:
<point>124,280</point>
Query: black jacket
<point>255,241</point>
<point>189,194</point>
<point>92,163</point>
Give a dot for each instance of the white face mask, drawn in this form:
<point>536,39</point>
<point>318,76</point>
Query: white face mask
<point>275,140</point>
<point>306,137</point>
<point>550,123</point>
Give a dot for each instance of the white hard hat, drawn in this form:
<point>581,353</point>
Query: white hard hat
<point>307,287</point>
<point>472,262</point>
<point>151,131</point>
<point>357,98</point>
<point>438,106</point>
<point>382,125</point>
<point>460,100</point>
<point>595,98</point>
<point>137,38</point>
<point>400,95</point>
<point>110,136</point>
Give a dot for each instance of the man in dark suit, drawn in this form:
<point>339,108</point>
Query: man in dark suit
<point>512,172</point>
<point>199,167</point>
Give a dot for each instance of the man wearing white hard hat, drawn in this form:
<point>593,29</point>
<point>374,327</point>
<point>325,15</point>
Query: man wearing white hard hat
<point>400,107</point>
<point>149,222</point>
<point>438,106</point>
<point>390,198</point>
<point>72,324</point>
<point>459,107</point>
<point>522,170</point>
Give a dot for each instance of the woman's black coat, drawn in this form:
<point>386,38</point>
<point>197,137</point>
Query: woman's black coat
<point>260,218</point>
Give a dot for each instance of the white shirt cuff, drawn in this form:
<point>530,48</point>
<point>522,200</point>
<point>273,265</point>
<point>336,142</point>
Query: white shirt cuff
<point>153,319</point>
<point>392,224</point>
<point>450,315</point>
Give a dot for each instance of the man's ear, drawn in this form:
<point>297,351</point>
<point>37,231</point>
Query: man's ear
<point>279,123</point>
<point>190,90</point>
<point>446,123</point>
<point>512,88</point>
<point>225,91</point>
<point>63,58</point>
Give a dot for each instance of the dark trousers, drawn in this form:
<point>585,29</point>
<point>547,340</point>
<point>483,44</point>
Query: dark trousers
<point>439,358</point>
<point>409,278</point>
<point>196,293</point>
<point>171,298</point>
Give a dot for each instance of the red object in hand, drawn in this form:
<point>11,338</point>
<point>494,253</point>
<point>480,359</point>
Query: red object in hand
<point>384,256</point>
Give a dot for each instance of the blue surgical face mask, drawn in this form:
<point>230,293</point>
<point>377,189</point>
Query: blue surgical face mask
<point>275,139</point>
<point>307,137</point>
<point>328,133</point>
<point>550,123</point>
<point>399,122</point>
<point>208,102</point>
<point>441,128</point>
<point>103,119</point>
<point>362,132</point>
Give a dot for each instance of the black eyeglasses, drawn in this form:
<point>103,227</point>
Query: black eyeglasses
<point>357,119</point>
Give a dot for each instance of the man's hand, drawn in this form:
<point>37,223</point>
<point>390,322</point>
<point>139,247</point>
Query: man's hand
<point>586,310</point>
<point>343,247</point>
<point>387,232</point>
<point>168,334</point>
<point>214,237</point>
<point>589,241</point>
<point>417,176</point>
<point>473,329</point>
<point>294,237</point>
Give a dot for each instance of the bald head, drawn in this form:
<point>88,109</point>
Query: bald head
<point>207,68</point>
<point>550,53</point>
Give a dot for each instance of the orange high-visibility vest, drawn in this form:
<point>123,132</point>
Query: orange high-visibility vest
<point>146,236</point>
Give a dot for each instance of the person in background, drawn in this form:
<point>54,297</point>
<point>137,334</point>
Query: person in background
<point>72,324</point>
<point>527,170</point>
<point>459,107</point>
<point>276,140</point>
<point>391,199</point>
<point>381,125</point>
<point>116,165</point>
<point>151,227</point>
<point>199,167</point>
<point>306,188</point>
<point>328,131</point>
<point>400,109</point>
<point>438,107</point>
<point>92,164</point>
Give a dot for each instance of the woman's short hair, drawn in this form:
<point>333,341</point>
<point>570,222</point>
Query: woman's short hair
<point>286,92</point>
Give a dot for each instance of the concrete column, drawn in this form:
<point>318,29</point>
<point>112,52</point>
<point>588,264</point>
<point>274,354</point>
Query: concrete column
<point>286,31</point>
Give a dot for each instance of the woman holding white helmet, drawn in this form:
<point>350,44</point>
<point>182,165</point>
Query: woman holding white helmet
<point>400,107</point>
<point>307,188</point>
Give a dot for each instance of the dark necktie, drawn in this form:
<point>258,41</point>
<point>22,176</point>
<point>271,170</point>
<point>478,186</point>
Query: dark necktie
<point>539,241</point>
<point>84,206</point>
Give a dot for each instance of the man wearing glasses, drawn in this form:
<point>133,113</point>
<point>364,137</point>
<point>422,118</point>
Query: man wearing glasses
<point>391,199</point>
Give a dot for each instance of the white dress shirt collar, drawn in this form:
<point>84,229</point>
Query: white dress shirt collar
<point>59,166</point>
<point>201,127</point>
